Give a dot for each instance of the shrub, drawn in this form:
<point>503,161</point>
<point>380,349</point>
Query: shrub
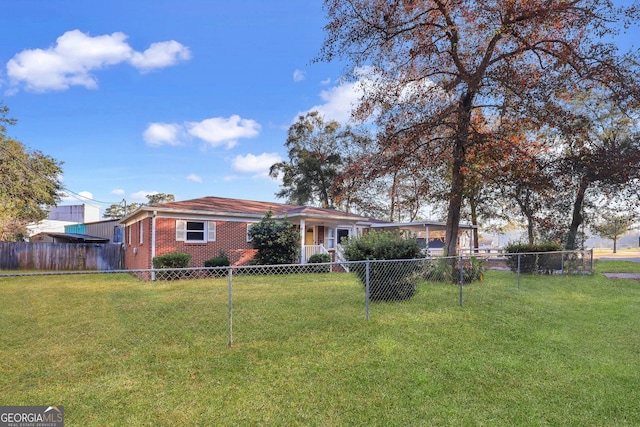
<point>277,242</point>
<point>472,270</point>
<point>172,260</point>
<point>221,260</point>
<point>317,259</point>
<point>388,281</point>
<point>169,261</point>
<point>444,270</point>
<point>533,258</point>
<point>215,263</point>
<point>381,245</point>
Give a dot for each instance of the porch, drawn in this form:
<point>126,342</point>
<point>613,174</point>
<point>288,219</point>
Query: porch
<point>325,237</point>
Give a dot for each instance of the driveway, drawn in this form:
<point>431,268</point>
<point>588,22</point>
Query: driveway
<point>625,255</point>
<point>621,256</point>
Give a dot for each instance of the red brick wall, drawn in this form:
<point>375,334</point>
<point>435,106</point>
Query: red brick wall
<point>231,238</point>
<point>138,255</point>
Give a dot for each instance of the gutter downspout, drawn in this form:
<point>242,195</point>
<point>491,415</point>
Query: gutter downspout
<point>153,243</point>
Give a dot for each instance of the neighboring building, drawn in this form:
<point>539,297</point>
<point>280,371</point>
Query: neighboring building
<point>207,226</point>
<point>75,213</point>
<point>38,231</point>
<point>61,217</point>
<point>109,229</point>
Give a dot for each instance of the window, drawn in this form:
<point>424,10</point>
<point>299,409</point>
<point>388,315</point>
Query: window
<point>195,231</point>
<point>141,228</point>
<point>129,234</point>
<point>332,238</point>
<point>249,225</point>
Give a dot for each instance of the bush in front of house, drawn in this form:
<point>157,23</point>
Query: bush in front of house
<point>388,281</point>
<point>276,241</point>
<point>221,260</point>
<point>541,258</point>
<point>170,261</point>
<point>448,270</point>
<point>320,259</point>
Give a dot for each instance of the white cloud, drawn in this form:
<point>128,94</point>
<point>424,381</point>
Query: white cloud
<point>142,195</point>
<point>215,131</point>
<point>160,55</point>
<point>325,81</point>
<point>194,178</point>
<point>219,131</point>
<point>299,75</point>
<point>338,102</point>
<point>118,192</point>
<point>76,55</point>
<point>257,165</point>
<point>163,134</point>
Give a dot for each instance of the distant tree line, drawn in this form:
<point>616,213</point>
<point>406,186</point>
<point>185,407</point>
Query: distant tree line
<point>120,210</point>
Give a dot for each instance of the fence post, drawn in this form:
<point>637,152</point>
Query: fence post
<point>518,271</point>
<point>461,276</point>
<point>230,276</point>
<point>366,289</point>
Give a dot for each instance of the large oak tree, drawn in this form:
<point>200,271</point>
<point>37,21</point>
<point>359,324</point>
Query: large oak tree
<point>429,65</point>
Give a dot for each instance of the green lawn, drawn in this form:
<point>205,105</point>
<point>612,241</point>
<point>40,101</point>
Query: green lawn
<point>617,266</point>
<point>559,351</point>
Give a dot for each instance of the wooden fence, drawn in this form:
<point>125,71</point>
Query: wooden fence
<point>61,256</point>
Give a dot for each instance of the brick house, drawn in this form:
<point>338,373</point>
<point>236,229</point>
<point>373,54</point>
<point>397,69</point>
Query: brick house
<point>206,226</point>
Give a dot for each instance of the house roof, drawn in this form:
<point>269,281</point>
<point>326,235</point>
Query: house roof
<point>221,206</point>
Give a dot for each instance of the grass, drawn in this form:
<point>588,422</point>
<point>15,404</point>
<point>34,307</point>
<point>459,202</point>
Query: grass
<point>617,266</point>
<point>117,351</point>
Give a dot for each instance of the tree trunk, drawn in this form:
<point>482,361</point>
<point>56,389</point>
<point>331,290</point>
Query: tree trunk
<point>392,193</point>
<point>457,176</point>
<point>577,218</point>
<point>530,234</point>
<point>455,204</point>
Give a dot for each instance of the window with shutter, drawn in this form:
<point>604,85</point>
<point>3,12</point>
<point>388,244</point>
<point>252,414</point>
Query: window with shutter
<point>211,235</point>
<point>181,228</point>
<point>249,225</point>
<point>195,231</point>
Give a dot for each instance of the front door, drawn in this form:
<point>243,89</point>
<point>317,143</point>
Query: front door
<point>320,238</point>
<point>308,238</point>
<point>343,233</point>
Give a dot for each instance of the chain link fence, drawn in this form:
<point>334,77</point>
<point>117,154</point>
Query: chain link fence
<point>194,306</point>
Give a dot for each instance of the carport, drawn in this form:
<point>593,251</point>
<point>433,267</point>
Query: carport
<point>431,235</point>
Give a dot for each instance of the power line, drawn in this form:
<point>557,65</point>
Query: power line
<point>29,168</point>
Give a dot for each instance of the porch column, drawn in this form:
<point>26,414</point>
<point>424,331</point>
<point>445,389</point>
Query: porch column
<point>426,239</point>
<point>303,232</point>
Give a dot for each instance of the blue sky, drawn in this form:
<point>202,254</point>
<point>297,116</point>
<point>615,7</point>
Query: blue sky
<point>192,98</point>
<point>189,97</point>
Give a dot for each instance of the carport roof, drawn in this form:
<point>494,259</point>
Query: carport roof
<point>421,225</point>
<point>78,238</point>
